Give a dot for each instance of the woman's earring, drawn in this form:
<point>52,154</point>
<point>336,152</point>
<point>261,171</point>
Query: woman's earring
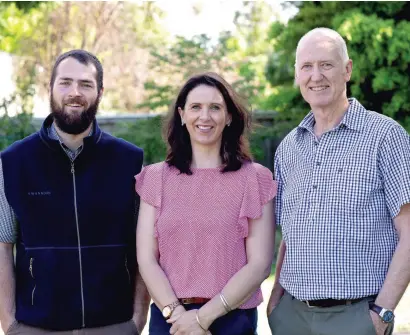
<point>182,122</point>
<point>228,124</point>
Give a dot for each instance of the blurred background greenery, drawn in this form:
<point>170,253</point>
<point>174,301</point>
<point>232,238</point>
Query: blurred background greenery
<point>145,65</point>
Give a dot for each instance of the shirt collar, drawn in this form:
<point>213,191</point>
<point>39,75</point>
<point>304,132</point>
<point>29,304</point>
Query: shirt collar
<point>52,133</point>
<point>354,118</point>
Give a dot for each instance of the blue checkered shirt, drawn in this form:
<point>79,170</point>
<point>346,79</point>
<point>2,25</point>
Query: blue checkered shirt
<point>337,198</point>
<point>8,222</point>
<point>72,154</point>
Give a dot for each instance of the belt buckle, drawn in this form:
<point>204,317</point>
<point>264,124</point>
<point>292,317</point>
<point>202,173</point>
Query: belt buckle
<point>186,301</point>
<point>308,304</point>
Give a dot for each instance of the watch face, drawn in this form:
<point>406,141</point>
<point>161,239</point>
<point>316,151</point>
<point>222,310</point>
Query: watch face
<point>388,316</point>
<point>166,312</point>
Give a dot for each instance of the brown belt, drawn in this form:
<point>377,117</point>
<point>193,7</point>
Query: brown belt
<point>187,301</point>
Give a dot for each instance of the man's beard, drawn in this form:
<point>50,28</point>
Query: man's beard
<point>73,123</point>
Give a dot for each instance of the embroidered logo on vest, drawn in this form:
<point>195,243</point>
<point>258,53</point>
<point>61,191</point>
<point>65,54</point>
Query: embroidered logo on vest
<point>39,193</point>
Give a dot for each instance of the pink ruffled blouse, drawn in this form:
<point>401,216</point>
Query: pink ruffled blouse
<point>202,222</point>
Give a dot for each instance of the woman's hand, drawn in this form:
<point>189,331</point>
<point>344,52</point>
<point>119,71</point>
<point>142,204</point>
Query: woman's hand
<point>187,324</point>
<point>178,311</point>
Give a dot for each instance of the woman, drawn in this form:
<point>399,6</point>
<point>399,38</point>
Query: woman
<point>205,233</point>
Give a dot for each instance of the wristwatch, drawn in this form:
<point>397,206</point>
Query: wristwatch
<point>168,309</point>
<point>385,314</point>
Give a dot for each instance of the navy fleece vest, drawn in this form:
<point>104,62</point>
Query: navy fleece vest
<point>75,262</point>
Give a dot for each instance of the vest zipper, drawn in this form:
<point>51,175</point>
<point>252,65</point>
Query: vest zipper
<point>79,243</point>
<point>126,268</point>
<point>32,276</point>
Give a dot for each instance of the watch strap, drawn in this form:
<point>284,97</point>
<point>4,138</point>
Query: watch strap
<point>382,312</point>
<point>172,306</point>
<point>375,308</point>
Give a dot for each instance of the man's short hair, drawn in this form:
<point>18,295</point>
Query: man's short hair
<point>84,57</point>
<point>334,35</point>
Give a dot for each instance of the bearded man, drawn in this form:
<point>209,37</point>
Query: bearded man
<point>68,206</point>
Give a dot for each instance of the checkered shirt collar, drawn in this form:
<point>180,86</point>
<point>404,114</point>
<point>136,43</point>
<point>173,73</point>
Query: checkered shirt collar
<point>52,133</point>
<point>354,118</point>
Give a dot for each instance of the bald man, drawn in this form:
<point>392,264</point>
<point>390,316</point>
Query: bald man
<point>343,204</point>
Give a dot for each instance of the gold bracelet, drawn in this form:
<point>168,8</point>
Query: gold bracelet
<point>225,303</point>
<point>199,322</point>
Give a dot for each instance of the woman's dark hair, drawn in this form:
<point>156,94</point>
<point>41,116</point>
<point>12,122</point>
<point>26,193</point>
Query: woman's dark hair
<point>234,147</point>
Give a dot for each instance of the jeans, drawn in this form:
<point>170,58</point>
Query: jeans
<point>236,322</point>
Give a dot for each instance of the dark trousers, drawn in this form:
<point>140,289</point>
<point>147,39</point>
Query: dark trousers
<point>237,322</point>
<point>125,328</point>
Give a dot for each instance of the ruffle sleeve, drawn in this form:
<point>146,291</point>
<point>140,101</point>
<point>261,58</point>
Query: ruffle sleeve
<point>259,190</point>
<point>148,185</point>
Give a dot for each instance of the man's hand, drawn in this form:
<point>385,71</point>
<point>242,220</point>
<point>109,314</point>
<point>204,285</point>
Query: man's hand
<point>186,324</point>
<point>139,319</point>
<point>276,295</point>
<point>7,286</point>
<point>6,324</point>
<point>378,324</point>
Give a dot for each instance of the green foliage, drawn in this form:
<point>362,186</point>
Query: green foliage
<point>19,25</point>
<point>144,67</point>
<point>14,128</point>
<point>263,141</point>
<point>22,5</point>
<point>278,239</point>
<point>119,33</point>
<point>23,96</point>
<point>13,30</point>
<point>377,39</point>
<point>240,57</point>
<point>173,64</point>
<point>146,133</point>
